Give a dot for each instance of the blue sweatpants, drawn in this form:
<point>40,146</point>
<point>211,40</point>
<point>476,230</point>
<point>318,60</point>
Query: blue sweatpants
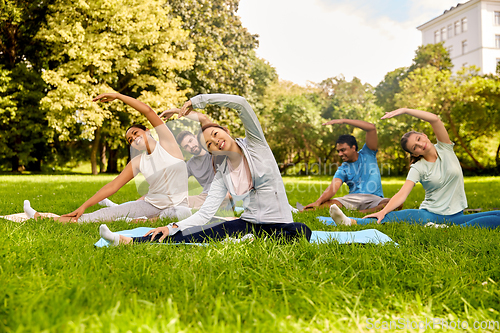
<point>233,228</point>
<point>421,216</point>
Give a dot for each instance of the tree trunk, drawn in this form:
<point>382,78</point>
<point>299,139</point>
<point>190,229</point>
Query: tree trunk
<point>103,160</point>
<point>112,161</point>
<point>14,161</point>
<point>497,158</point>
<point>95,148</point>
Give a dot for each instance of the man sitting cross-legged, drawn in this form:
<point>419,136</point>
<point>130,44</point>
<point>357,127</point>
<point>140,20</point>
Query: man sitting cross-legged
<point>359,171</point>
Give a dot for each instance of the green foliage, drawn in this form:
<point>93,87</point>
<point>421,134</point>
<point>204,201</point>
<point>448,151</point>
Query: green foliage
<point>23,133</point>
<point>224,50</point>
<point>463,101</point>
<point>434,55</point>
<point>129,46</point>
<point>54,280</point>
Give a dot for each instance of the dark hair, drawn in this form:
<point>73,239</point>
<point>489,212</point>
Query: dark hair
<point>141,126</point>
<point>216,159</point>
<point>348,139</point>
<point>404,145</point>
<point>182,135</point>
<point>203,128</point>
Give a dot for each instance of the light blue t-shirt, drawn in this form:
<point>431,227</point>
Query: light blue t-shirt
<point>443,181</point>
<point>362,176</point>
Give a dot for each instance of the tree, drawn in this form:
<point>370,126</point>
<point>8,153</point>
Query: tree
<point>129,46</point>
<point>434,55</point>
<point>224,51</point>
<point>23,132</point>
<point>467,103</point>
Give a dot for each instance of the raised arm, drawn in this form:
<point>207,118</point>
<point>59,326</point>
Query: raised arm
<point>167,139</point>
<point>369,128</point>
<point>330,191</point>
<point>193,115</point>
<point>397,200</point>
<point>431,118</point>
<point>245,112</point>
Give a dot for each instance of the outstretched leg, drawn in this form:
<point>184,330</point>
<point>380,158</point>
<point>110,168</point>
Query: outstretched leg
<point>113,238</point>
<point>33,214</point>
<point>339,217</point>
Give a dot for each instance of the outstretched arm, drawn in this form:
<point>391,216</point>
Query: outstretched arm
<point>107,190</point>
<point>369,128</point>
<point>397,200</point>
<point>193,115</point>
<point>167,139</point>
<point>253,130</point>
<point>431,118</point>
<point>330,191</point>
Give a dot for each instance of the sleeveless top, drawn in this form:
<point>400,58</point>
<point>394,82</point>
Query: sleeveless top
<point>167,178</point>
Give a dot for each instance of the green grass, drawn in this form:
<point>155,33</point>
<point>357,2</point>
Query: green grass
<point>53,279</point>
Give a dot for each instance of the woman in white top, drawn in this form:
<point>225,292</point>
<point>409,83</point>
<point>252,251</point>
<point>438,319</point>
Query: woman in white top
<point>437,168</point>
<point>162,165</point>
<point>249,173</point>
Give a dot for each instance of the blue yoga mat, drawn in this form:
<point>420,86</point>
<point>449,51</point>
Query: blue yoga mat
<point>343,237</point>
<point>326,220</point>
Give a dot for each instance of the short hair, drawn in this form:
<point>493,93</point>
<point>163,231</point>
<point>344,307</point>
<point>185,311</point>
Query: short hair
<point>348,139</point>
<point>182,135</point>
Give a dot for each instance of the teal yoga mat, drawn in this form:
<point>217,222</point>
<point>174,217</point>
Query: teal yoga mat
<point>366,236</point>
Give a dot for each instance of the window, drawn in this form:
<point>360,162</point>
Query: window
<point>457,28</point>
<point>497,41</point>
<point>443,34</point>
<point>437,37</point>
<point>450,30</point>
<point>464,47</point>
<point>450,50</point>
<point>464,24</point>
<point>497,18</point>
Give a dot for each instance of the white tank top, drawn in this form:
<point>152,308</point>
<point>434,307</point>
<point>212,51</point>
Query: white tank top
<point>167,178</point>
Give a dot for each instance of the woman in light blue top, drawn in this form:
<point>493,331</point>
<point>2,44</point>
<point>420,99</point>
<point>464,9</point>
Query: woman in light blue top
<point>248,172</point>
<point>437,168</point>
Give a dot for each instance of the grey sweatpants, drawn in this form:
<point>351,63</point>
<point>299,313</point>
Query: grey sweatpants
<point>135,209</point>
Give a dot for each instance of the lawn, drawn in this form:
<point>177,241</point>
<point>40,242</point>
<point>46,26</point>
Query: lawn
<point>53,279</point>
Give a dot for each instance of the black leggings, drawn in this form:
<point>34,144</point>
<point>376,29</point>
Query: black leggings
<point>221,230</point>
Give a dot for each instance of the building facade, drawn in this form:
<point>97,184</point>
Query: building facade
<point>471,33</point>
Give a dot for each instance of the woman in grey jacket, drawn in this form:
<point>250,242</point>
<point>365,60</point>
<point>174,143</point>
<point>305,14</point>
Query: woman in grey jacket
<point>249,172</point>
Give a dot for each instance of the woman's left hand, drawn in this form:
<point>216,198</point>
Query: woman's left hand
<point>106,97</point>
<point>167,114</point>
<point>154,232</point>
<point>394,113</point>
<point>75,215</point>
<point>378,215</point>
<point>186,109</point>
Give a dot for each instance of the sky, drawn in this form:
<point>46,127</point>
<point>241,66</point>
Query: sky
<point>312,40</point>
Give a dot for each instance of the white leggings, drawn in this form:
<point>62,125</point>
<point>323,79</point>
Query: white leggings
<point>133,210</point>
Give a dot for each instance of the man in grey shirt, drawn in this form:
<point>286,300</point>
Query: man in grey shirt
<point>200,166</point>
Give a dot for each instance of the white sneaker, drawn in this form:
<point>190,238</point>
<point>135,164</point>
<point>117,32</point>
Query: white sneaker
<point>435,225</point>
<point>247,237</point>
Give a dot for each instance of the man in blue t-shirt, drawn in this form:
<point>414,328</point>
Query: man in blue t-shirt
<point>359,171</point>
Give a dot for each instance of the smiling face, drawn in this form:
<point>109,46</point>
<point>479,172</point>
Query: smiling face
<point>190,144</point>
<point>347,153</point>
<point>418,144</point>
<point>217,140</point>
<point>137,138</point>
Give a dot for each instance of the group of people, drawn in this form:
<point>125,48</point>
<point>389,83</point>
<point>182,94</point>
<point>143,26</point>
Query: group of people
<point>232,170</point>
